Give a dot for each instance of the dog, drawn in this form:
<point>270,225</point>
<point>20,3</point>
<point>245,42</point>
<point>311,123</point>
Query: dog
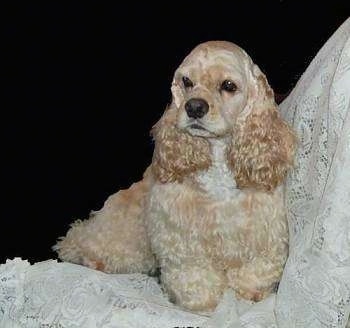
<point>209,211</point>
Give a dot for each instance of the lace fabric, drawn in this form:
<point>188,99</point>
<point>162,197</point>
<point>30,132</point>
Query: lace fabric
<point>51,294</point>
<point>315,287</point>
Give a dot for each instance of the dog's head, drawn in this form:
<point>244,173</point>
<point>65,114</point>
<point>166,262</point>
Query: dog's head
<point>210,89</point>
<point>218,92</point>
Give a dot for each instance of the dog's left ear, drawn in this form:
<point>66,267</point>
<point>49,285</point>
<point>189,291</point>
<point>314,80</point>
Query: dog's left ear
<point>263,144</point>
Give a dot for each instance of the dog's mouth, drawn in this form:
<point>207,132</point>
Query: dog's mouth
<point>200,128</point>
<point>197,127</point>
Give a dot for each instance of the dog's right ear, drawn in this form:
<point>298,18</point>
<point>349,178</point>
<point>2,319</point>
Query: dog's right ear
<point>176,152</point>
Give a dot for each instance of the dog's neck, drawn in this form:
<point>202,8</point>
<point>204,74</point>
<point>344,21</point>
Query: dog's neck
<point>218,181</point>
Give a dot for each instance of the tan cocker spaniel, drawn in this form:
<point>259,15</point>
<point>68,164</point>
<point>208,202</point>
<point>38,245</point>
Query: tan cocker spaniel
<point>209,211</point>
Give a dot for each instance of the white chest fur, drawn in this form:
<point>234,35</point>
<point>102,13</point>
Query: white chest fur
<point>218,181</point>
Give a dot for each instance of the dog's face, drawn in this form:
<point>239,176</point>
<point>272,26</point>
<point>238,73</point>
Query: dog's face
<point>210,89</point>
<point>218,92</point>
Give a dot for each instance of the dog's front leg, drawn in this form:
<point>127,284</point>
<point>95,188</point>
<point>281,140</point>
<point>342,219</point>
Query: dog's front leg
<point>257,278</point>
<point>193,287</point>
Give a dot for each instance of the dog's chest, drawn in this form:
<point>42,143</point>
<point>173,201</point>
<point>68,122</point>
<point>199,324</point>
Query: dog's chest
<point>218,181</point>
<point>192,219</point>
<point>184,222</point>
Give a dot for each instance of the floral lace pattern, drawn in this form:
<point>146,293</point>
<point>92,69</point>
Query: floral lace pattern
<point>61,295</point>
<point>315,287</point>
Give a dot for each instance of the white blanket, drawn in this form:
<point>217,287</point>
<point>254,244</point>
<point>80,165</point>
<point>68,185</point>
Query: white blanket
<point>315,287</point>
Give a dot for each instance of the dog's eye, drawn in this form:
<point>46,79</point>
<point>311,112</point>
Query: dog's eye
<point>228,86</point>
<point>187,82</point>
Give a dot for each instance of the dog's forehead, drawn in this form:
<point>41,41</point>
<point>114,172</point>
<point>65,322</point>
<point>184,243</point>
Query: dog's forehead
<point>211,67</point>
<point>215,54</point>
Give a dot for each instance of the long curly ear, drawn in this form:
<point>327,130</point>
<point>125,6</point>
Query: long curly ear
<point>176,153</point>
<point>263,144</point>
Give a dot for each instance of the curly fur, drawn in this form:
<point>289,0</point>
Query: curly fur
<point>177,154</point>
<point>209,210</point>
<point>263,146</point>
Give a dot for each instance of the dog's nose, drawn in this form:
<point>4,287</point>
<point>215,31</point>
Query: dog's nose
<point>196,107</point>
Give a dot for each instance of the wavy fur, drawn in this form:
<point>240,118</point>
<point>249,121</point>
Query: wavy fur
<point>177,154</point>
<point>209,210</point>
<point>263,144</point>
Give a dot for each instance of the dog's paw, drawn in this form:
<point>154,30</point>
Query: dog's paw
<point>248,286</point>
<point>196,289</point>
<point>94,264</point>
<point>251,294</point>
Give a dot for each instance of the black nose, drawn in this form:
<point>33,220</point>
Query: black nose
<point>196,107</point>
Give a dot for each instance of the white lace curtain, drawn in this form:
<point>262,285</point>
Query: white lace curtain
<point>315,287</point>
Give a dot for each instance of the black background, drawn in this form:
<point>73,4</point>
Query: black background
<point>84,83</point>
